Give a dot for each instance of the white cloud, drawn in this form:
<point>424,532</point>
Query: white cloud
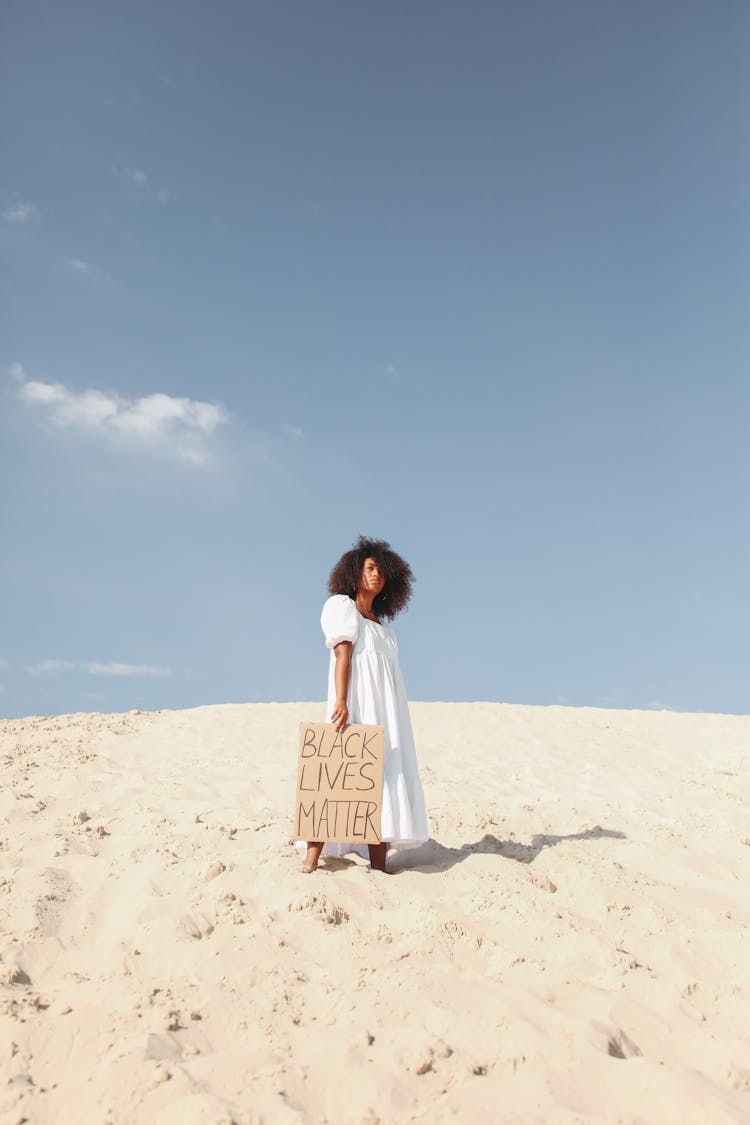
<point>4,663</point>
<point>153,413</point>
<point>137,177</point>
<point>197,456</point>
<point>96,668</point>
<point>140,182</point>
<point>390,369</point>
<point>112,669</point>
<point>87,270</point>
<point>43,392</point>
<point>179,425</point>
<point>21,213</point>
<point>292,431</point>
<point>50,667</point>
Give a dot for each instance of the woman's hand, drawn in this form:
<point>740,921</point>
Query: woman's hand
<point>340,715</point>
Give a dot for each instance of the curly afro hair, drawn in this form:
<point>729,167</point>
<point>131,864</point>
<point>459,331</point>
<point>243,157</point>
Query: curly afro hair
<point>395,595</point>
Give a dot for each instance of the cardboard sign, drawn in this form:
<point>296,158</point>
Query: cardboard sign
<point>339,783</point>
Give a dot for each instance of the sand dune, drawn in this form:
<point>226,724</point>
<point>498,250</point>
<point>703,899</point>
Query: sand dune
<point>571,946</point>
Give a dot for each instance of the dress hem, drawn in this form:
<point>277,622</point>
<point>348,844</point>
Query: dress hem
<point>360,849</point>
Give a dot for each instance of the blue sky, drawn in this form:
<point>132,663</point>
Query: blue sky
<point>470,277</point>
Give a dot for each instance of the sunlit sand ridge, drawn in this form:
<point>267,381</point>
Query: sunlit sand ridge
<point>571,946</point>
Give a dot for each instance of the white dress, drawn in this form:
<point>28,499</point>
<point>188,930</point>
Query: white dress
<point>377,695</point>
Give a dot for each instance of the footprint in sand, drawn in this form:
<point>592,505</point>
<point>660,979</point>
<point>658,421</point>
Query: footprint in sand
<point>616,1042</point>
<point>196,926</point>
<point>214,870</point>
<point>739,1078</point>
<point>17,975</point>
<point>323,908</point>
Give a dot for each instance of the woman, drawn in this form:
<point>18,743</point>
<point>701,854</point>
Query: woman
<point>369,584</point>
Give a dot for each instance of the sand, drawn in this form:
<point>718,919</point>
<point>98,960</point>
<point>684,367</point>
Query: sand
<point>571,946</point>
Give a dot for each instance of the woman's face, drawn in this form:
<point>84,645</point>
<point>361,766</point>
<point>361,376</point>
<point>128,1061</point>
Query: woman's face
<point>371,580</point>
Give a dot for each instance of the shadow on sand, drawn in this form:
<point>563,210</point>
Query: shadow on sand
<point>432,858</point>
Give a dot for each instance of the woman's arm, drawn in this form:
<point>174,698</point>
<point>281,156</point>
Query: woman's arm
<point>340,715</point>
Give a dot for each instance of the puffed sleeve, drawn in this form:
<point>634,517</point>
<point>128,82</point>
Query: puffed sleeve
<point>339,620</point>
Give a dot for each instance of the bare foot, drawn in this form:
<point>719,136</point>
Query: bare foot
<point>311,859</point>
